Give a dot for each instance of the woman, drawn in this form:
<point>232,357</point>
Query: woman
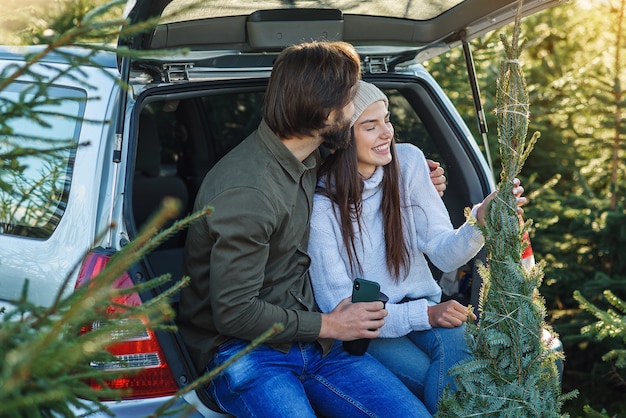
<point>375,215</point>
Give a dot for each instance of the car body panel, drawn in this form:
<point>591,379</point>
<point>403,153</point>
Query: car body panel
<point>189,406</point>
<point>76,231</point>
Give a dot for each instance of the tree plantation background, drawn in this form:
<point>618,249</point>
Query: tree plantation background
<point>575,177</point>
<point>574,66</point>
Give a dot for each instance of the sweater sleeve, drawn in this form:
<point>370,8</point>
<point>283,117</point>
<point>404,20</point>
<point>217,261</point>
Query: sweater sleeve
<point>447,248</point>
<point>405,317</point>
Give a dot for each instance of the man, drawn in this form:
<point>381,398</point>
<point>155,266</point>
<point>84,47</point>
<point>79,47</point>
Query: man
<point>249,268</point>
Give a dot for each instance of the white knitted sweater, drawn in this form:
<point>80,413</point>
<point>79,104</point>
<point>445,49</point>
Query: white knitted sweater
<point>429,232</point>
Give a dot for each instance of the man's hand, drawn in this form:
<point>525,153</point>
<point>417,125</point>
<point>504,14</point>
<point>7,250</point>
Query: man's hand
<point>436,176</point>
<point>350,321</point>
<point>448,314</point>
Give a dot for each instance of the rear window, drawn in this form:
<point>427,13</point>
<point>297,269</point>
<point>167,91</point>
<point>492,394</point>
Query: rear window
<point>38,140</point>
<point>194,133</point>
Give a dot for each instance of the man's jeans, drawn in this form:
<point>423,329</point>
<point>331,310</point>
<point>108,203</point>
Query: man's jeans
<point>422,359</point>
<point>301,383</point>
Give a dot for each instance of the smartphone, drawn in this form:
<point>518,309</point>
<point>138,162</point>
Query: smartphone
<point>365,291</point>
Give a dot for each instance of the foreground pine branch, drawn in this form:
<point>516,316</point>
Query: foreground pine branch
<point>48,359</point>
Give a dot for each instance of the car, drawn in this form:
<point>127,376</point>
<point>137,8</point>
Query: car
<point>187,108</point>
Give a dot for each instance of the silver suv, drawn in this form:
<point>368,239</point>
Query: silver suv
<point>185,111</point>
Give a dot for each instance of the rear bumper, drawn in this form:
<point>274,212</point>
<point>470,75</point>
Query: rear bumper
<point>189,406</point>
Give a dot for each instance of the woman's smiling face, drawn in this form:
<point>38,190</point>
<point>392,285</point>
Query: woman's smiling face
<point>373,133</point>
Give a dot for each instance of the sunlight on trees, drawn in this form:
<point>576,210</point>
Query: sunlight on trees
<point>572,80</point>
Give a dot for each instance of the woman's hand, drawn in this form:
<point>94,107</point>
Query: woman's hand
<point>517,191</point>
<point>481,208</point>
<point>448,314</point>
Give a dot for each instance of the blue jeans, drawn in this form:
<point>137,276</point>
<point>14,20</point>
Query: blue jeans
<point>421,359</point>
<point>303,383</point>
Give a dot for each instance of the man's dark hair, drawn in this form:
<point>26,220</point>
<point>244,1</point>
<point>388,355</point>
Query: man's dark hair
<point>308,81</point>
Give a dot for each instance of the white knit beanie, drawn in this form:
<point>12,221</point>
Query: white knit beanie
<point>366,95</point>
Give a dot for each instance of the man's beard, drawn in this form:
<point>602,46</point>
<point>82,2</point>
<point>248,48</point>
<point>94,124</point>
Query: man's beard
<point>337,135</point>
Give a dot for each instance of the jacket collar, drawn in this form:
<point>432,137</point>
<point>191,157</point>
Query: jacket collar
<point>285,158</point>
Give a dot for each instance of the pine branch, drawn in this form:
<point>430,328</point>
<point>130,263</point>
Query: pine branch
<point>610,324</point>
<point>48,360</point>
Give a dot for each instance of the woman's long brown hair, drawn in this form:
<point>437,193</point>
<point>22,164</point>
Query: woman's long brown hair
<point>344,187</point>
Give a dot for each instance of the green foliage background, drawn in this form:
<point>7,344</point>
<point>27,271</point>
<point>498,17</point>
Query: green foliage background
<point>575,177</point>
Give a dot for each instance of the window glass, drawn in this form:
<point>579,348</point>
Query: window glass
<point>38,139</point>
<point>179,10</point>
<point>232,117</point>
<point>407,125</point>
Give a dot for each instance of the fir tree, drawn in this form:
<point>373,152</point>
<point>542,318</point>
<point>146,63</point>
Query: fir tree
<point>611,324</point>
<point>513,372</point>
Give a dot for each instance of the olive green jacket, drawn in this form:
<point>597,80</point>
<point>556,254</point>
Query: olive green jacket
<point>248,261</point>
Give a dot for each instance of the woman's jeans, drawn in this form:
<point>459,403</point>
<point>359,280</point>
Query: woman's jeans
<point>303,383</point>
<point>422,359</point>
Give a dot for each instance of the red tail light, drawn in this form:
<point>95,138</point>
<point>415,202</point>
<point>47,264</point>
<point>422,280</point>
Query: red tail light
<point>133,351</point>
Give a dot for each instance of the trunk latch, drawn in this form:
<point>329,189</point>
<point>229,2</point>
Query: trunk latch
<point>177,72</point>
<point>376,65</point>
